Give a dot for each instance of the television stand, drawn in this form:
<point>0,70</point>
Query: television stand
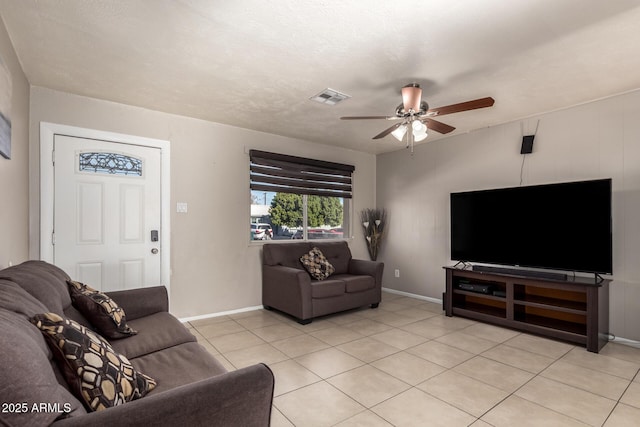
<point>574,309</point>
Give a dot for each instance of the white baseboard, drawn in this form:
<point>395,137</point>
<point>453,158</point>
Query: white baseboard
<point>410,295</point>
<point>221,313</point>
<point>624,341</point>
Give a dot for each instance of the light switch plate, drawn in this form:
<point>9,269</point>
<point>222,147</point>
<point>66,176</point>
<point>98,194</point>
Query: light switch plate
<point>181,207</point>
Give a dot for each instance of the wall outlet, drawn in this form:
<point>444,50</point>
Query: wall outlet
<point>397,272</point>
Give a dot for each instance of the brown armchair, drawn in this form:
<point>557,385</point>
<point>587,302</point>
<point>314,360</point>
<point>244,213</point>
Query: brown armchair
<point>288,287</point>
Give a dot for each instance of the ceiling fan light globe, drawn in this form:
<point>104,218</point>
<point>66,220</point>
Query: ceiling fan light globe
<point>418,126</point>
<point>420,136</point>
<point>399,132</point>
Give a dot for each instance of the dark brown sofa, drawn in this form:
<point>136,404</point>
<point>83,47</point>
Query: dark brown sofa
<point>193,388</point>
<point>288,287</point>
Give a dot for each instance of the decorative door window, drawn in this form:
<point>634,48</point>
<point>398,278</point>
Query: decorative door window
<point>110,163</point>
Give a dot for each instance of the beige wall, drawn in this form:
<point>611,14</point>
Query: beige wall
<point>14,173</point>
<point>214,267</point>
<point>595,140</point>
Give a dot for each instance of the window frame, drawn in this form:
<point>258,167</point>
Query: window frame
<point>304,183</point>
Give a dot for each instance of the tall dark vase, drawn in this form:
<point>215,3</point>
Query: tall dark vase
<point>373,222</point>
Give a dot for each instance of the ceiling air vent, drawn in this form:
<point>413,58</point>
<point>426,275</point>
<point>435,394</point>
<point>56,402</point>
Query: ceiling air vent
<point>329,97</point>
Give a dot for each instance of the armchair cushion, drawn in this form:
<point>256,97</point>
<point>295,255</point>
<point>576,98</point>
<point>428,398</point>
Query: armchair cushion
<point>103,313</point>
<point>97,374</point>
<point>356,283</point>
<point>317,264</point>
<point>327,288</point>
<point>337,253</point>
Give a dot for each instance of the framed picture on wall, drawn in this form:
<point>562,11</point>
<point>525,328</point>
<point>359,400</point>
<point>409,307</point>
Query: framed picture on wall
<point>5,111</point>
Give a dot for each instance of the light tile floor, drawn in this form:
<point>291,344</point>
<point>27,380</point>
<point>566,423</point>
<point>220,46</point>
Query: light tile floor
<point>406,364</point>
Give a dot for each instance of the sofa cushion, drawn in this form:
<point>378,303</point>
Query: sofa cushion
<point>316,264</point>
<point>14,298</point>
<point>103,313</point>
<point>97,374</point>
<point>188,362</point>
<point>327,288</point>
<point>17,300</point>
<point>155,332</point>
<point>26,375</point>
<point>46,282</point>
<point>357,283</point>
<point>72,313</point>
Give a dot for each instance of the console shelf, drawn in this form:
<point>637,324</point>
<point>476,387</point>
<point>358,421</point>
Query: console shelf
<point>557,304</point>
<point>574,310</point>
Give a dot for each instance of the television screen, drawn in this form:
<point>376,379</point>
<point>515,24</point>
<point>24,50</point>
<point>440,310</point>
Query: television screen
<point>563,226</point>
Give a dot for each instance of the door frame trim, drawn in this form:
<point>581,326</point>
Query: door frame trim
<point>47,134</point>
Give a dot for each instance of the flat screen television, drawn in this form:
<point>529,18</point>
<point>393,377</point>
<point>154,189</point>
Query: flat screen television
<point>564,226</point>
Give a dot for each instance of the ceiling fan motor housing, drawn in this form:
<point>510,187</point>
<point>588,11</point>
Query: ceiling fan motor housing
<point>411,97</point>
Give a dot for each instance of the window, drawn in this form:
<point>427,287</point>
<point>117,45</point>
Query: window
<point>109,163</point>
<point>299,198</point>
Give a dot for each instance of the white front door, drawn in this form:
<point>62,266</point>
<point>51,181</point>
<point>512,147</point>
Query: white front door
<point>107,209</point>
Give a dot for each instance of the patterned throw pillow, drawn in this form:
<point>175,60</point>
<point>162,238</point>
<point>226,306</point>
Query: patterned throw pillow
<point>103,313</point>
<point>317,264</point>
<point>99,376</point>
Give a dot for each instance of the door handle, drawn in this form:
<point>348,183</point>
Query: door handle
<point>154,251</point>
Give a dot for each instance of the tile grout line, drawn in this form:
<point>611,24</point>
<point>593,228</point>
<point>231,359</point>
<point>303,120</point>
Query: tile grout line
<point>620,398</point>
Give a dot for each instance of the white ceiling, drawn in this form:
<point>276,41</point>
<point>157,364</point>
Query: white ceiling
<point>255,63</point>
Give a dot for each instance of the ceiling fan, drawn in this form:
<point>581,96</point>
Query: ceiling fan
<point>415,114</point>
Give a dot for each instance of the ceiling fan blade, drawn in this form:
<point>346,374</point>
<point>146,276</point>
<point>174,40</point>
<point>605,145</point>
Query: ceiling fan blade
<point>463,106</point>
<point>438,126</point>
<point>411,96</point>
<point>388,131</point>
<point>369,117</point>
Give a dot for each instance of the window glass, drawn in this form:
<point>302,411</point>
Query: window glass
<point>110,163</point>
<point>296,217</point>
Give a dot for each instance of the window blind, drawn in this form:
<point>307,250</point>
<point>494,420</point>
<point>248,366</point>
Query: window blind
<point>299,175</point>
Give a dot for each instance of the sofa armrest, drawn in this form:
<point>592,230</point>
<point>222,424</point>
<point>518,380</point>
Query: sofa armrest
<point>287,289</point>
<point>141,302</point>
<point>367,268</point>
<point>239,398</point>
